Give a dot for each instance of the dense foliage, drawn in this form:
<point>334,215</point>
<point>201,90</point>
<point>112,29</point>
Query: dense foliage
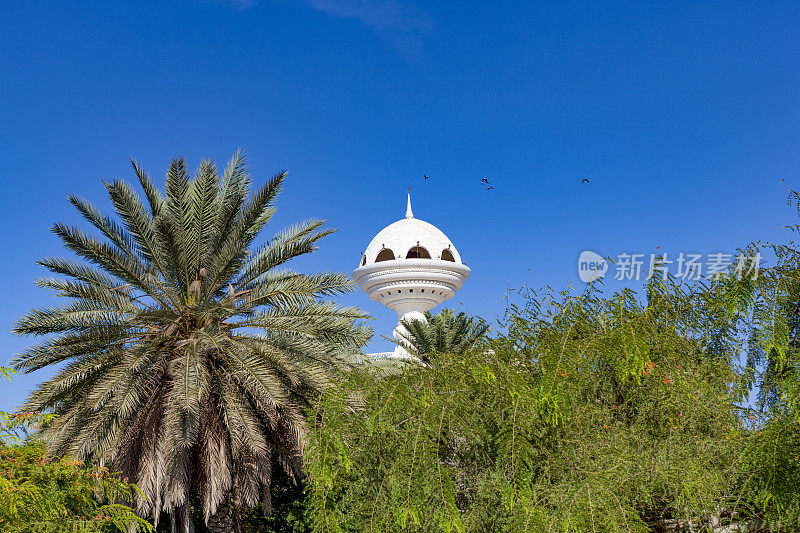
<point>770,307</point>
<point>38,495</point>
<point>191,355</point>
<point>590,414</point>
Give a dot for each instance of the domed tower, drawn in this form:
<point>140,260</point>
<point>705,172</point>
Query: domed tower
<point>410,267</point>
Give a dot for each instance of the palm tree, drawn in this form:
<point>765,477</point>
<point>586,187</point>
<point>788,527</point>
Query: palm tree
<point>190,360</point>
<point>442,333</point>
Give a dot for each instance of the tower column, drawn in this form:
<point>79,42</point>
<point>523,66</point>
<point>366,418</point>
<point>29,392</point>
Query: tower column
<point>400,332</point>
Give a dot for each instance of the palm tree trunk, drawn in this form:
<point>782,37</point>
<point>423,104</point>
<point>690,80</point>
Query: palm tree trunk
<point>182,519</point>
<point>222,522</point>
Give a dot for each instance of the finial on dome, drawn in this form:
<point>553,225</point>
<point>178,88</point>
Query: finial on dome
<point>409,212</point>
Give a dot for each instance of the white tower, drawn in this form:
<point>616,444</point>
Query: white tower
<point>410,267</point>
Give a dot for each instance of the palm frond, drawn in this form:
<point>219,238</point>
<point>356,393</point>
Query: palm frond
<point>153,195</point>
<point>445,333</point>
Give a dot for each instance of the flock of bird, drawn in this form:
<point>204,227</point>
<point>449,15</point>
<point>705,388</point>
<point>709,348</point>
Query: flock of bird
<point>485,182</point>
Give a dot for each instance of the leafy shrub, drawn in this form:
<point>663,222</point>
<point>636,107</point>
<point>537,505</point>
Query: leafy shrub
<point>589,414</point>
<point>64,495</point>
<point>42,495</point>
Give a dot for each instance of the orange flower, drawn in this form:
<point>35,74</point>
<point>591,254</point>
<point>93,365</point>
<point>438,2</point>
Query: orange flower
<point>666,381</point>
<point>646,372</point>
<point>752,417</point>
<point>564,374</point>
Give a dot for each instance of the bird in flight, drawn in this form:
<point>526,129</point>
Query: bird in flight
<point>489,188</point>
<point>425,176</point>
<point>484,180</point>
<point>584,180</point>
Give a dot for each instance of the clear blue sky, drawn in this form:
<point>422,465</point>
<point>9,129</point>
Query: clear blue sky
<point>683,115</point>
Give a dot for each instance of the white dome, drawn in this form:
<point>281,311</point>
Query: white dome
<point>396,240</point>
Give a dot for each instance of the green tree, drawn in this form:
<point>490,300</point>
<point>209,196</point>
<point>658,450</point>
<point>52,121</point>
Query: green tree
<point>770,476</point>
<point>768,306</point>
<point>190,357</point>
<point>39,495</point>
<point>445,332</point>
<point>589,414</point>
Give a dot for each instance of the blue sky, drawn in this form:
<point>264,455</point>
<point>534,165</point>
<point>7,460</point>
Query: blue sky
<point>684,116</point>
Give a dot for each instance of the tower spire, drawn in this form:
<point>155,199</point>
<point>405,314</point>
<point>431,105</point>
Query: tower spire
<point>409,212</point>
